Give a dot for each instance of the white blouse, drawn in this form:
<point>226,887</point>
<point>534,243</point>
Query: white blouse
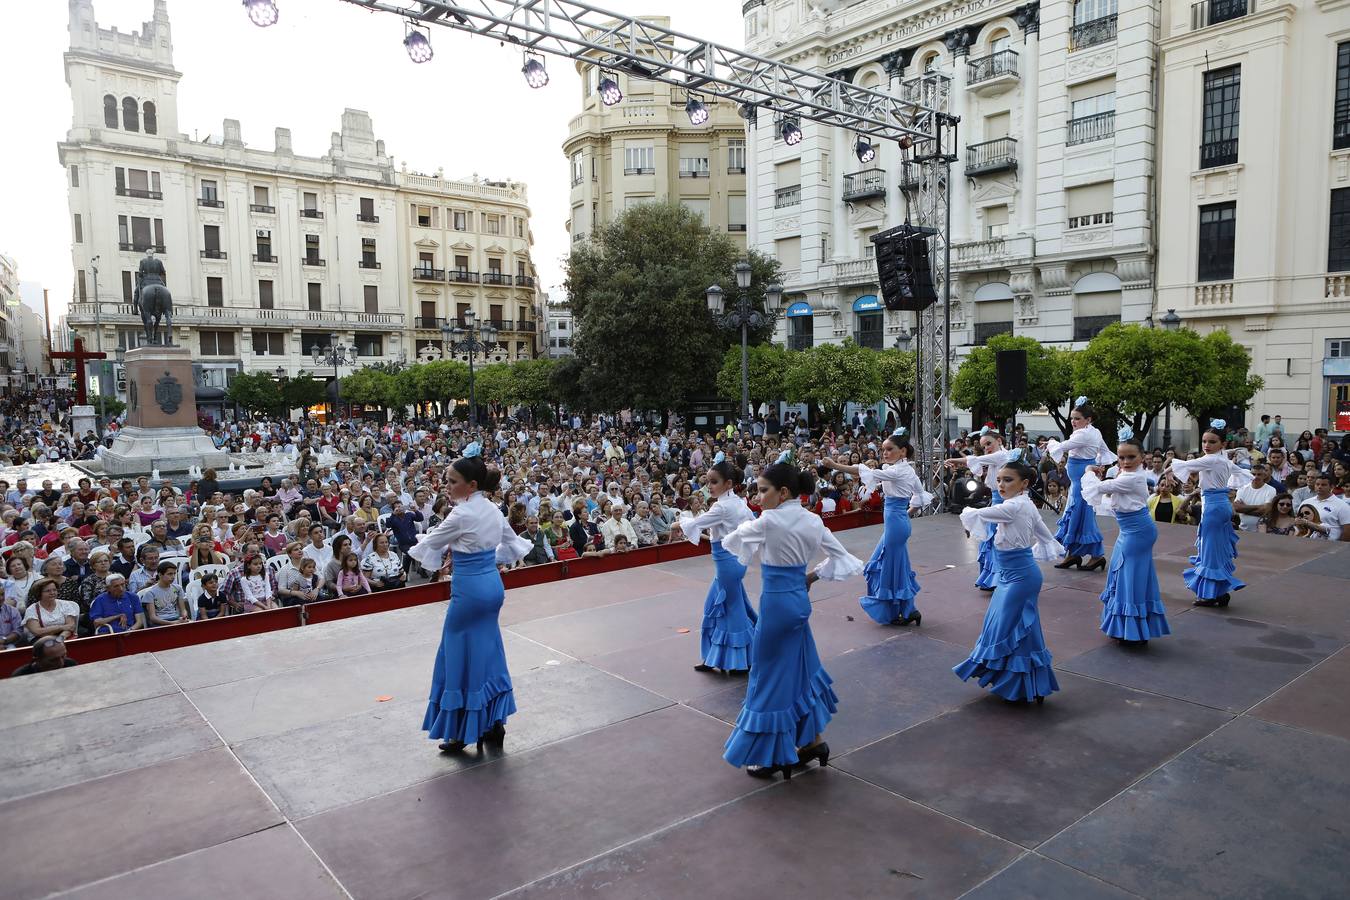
<point>1019,526</point>
<point>986,467</point>
<point>896,480</point>
<point>1127,492</point>
<point>1216,470</point>
<point>792,535</point>
<point>471,527</point>
<point>1084,443</point>
<point>719,520</point>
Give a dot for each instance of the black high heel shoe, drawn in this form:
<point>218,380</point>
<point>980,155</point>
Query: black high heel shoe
<point>915,619</point>
<point>769,771</point>
<point>704,668</point>
<point>899,622</point>
<point>820,752</point>
<point>1220,601</point>
<point>990,590</point>
<point>1098,563</point>
<point>1069,562</point>
<point>452,746</point>
<point>494,738</point>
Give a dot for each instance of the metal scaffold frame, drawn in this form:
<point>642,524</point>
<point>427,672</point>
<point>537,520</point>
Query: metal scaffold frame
<point>918,119</point>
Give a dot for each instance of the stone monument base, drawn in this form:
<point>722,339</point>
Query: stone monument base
<point>138,451</point>
<point>82,421</point>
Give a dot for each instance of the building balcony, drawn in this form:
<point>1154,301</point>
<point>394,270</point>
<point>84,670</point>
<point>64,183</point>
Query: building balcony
<point>735,170</point>
<point>140,247</point>
<point>260,208</point>
<point>577,180</point>
<point>736,226</point>
<point>983,331</point>
<point>139,193</point>
<point>211,202</point>
<point>367,264</point>
<point>991,253</point>
<point>911,175</point>
<point>1212,12</point>
<point>526,281</point>
<point>371,219</point>
<point>496,278</point>
<point>998,155</point>
<point>312,261</point>
<point>311,214</point>
<point>214,254</point>
<point>1089,34</point>
<point>787,196</point>
<point>428,323</point>
<point>992,74</point>
<point>856,271</point>
<point>265,258</point>
<point>225,316</point>
<point>463,276</point>
<point>1218,153</point>
<point>865,185</point>
<point>1340,129</point>
<point>426,273</point>
<point>1086,129</point>
<point>641,170</point>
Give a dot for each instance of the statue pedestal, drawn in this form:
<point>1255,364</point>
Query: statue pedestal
<point>82,421</point>
<point>161,431</point>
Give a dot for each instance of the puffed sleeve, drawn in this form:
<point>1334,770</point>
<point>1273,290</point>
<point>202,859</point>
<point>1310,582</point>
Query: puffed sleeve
<point>1238,477</point>
<point>512,547</point>
<point>911,483</point>
<point>871,479</point>
<point>838,564</point>
<point>1081,437</point>
<point>1046,547</point>
<point>746,540</point>
<point>1096,492</point>
<point>981,463</point>
<point>977,521</point>
<point>694,526</point>
<point>430,550</point>
<point>1104,455</point>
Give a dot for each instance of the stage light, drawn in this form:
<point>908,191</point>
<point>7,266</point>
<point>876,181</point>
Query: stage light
<point>696,110</point>
<point>790,131</point>
<point>536,76</point>
<point>609,90</point>
<point>749,112</point>
<point>262,12</point>
<point>417,44</point>
<point>866,152</point>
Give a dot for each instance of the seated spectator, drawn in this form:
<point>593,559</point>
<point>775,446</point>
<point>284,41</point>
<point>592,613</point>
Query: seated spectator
<point>11,626</point>
<point>1163,503</point>
<point>382,567</point>
<point>146,573</point>
<point>328,575</point>
<point>1308,524</point>
<point>49,654</point>
<point>21,578</point>
<point>617,525</point>
<point>662,518</point>
<point>1333,513</point>
<point>251,588</point>
<point>298,584</point>
<point>642,525</point>
<point>317,549</point>
<point>560,538</point>
<point>1253,500</point>
<point>542,551</point>
<point>164,601</point>
<point>586,537</point>
<point>46,616</point>
<point>351,582</point>
<point>1280,518</point>
<point>211,603</point>
<point>116,609</point>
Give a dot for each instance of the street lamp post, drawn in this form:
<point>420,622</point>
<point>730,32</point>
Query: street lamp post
<point>335,354</point>
<point>98,346</point>
<point>470,339</point>
<point>1171,322</point>
<point>743,316</point>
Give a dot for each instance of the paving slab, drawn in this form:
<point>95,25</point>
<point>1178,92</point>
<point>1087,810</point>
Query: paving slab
<point>78,689</point>
<point>1318,700</point>
<point>1033,877</point>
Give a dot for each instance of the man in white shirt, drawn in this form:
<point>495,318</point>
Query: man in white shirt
<point>1334,512</point>
<point>1253,500</point>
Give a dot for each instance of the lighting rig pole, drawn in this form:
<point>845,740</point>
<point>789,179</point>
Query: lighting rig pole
<point>743,316</point>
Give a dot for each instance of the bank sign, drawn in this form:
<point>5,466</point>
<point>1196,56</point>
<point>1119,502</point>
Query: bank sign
<point>911,27</point>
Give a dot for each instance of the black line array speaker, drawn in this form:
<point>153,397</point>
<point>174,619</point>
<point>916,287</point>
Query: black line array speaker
<point>903,268</point>
<point>1010,369</point>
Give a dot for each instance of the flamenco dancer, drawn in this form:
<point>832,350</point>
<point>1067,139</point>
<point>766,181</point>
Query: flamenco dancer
<point>891,584</point>
<point>471,694</point>
<point>728,617</point>
<point>788,701</point>
<point>986,467</point>
<point>1210,576</point>
<point>1132,611</point>
<point>1078,530</point>
<point>1010,657</point>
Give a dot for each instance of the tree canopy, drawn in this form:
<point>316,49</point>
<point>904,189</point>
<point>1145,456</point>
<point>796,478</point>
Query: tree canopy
<point>1049,380</point>
<point>767,366</point>
<point>637,290</point>
<point>303,391</point>
<point>256,392</point>
<point>897,372</point>
<point>832,376</point>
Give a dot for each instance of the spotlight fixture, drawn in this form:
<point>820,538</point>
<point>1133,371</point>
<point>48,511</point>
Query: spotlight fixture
<point>905,142</point>
<point>866,152</point>
<point>536,76</point>
<point>790,131</point>
<point>749,112</point>
<point>262,12</point>
<point>696,110</point>
<point>610,94</point>
<point>417,44</point>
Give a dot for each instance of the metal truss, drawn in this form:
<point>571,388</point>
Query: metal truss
<point>929,197</point>
<point>582,32</point>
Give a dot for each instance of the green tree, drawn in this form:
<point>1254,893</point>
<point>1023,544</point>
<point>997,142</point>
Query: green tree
<point>1049,380</point>
<point>532,383</point>
<point>112,407</point>
<point>494,386</point>
<point>1227,382</point>
<point>897,383</point>
<point>768,363</point>
<point>833,375</point>
<point>575,385</point>
<point>303,391</point>
<point>443,381</point>
<point>407,389</point>
<point>254,392</point>
<point>371,387</point>
<point>637,294</point>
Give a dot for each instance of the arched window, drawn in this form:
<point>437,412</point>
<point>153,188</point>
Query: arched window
<point>131,116</point>
<point>1000,41</point>
<point>930,62</point>
<point>1096,304</point>
<point>109,111</point>
<point>151,120</point>
<point>993,311</point>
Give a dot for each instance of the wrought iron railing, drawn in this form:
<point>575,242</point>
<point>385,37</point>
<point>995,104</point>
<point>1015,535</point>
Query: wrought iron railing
<point>311,214</point>
<point>308,260</point>
<point>800,341</point>
<point>983,68</point>
<point>367,264</point>
<point>1096,127</point>
<point>260,208</point>
<point>1212,12</point>
<point>491,277</point>
<point>1218,153</point>
<point>787,196</point>
<point>427,273</point>
<point>214,254</point>
<point>1085,328</point>
<point>867,183</point>
<point>139,193</point>
<point>1090,34</point>
<point>463,276</point>
<point>991,156</point>
<point>211,202</point>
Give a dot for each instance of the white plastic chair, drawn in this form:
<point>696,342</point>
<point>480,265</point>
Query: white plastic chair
<point>201,572</point>
<point>194,593</point>
<point>383,521</point>
<point>277,563</point>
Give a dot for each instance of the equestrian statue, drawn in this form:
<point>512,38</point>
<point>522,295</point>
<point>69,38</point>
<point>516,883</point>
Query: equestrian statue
<point>152,300</point>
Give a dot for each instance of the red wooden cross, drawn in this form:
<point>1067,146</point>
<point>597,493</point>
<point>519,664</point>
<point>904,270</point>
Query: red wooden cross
<point>80,357</point>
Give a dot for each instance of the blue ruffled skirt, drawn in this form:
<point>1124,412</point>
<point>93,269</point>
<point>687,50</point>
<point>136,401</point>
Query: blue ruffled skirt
<point>1078,530</point>
<point>1133,608</point>
<point>988,576</point>
<point>470,687</point>
<point>789,699</point>
<point>1010,658</point>
<point>891,585</point>
<point>1212,567</point>
<point>728,618</point>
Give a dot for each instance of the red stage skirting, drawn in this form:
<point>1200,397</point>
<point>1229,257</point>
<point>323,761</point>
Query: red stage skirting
<point>111,646</point>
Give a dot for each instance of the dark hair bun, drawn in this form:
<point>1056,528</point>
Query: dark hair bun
<point>472,468</point>
<point>795,480</point>
<point>729,471</point>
